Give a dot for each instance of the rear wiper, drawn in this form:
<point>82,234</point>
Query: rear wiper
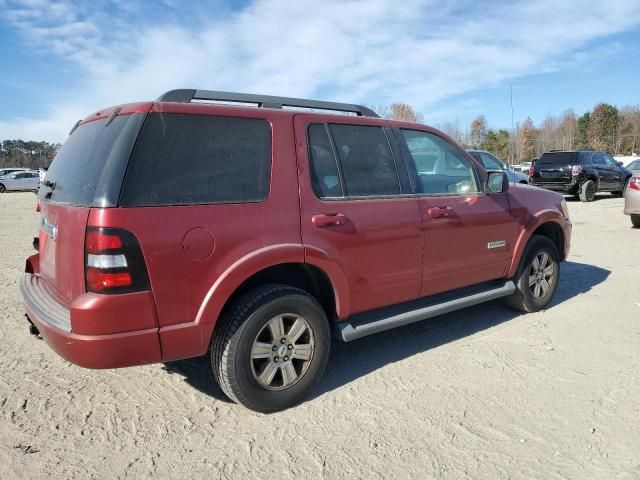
<point>51,185</point>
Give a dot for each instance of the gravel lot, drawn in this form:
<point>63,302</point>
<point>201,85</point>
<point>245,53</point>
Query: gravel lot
<point>482,393</point>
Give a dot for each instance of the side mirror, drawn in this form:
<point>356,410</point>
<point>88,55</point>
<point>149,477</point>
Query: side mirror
<point>497,182</point>
<point>620,164</point>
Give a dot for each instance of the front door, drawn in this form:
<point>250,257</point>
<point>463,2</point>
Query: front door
<point>467,233</point>
<point>356,209</point>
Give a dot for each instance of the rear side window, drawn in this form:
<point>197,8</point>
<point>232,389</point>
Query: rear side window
<point>368,167</point>
<point>88,168</point>
<point>199,159</point>
<point>559,158</point>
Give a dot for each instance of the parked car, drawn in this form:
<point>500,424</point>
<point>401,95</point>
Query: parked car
<point>632,200</point>
<point>7,171</point>
<point>580,173</point>
<point>634,167</point>
<point>19,181</point>
<point>178,228</point>
<point>523,168</point>
<point>491,162</point>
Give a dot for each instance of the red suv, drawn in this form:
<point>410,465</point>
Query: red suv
<point>190,226</point>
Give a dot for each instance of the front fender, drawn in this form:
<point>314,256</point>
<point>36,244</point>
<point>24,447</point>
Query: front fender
<point>531,225</point>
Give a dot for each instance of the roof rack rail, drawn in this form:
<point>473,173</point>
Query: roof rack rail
<point>265,101</point>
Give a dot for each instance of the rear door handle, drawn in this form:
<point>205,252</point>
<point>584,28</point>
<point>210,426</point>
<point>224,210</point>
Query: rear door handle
<point>440,212</point>
<point>328,219</point>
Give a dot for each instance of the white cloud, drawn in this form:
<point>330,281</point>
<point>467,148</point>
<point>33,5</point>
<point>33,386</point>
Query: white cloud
<point>373,51</point>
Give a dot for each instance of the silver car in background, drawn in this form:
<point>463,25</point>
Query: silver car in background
<point>632,200</point>
<point>491,162</point>
<point>28,180</point>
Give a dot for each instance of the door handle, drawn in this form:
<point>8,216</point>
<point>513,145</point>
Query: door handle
<point>440,212</point>
<point>328,219</point>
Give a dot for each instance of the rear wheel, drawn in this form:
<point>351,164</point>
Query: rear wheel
<point>537,276</point>
<point>588,191</point>
<point>635,220</point>
<point>271,348</point>
<point>2,188</point>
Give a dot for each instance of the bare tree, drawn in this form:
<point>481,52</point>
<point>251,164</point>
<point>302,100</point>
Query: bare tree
<point>478,131</point>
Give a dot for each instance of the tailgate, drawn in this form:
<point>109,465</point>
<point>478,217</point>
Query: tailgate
<point>61,236</point>
<point>554,174</point>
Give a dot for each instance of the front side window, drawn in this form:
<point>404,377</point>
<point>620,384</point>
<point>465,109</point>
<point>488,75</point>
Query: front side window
<point>609,160</point>
<point>439,167</point>
<point>183,159</point>
<point>368,167</point>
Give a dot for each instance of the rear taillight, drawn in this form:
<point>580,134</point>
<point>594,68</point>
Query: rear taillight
<point>576,170</point>
<point>114,261</point>
<point>532,171</point>
<point>634,183</point>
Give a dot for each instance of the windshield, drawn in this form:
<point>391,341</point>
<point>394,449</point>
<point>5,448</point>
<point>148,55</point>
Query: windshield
<point>89,168</point>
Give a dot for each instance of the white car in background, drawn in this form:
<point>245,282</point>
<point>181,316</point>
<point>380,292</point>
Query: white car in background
<point>7,171</point>
<point>28,180</point>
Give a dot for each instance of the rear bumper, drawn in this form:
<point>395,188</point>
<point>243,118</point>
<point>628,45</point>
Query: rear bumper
<point>566,188</point>
<point>54,322</point>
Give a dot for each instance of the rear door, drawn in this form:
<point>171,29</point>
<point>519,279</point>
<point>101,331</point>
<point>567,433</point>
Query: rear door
<point>356,206</point>
<point>467,234</point>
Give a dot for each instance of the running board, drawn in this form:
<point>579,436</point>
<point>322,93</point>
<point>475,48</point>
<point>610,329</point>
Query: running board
<point>368,323</point>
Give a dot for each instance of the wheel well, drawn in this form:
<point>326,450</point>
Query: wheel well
<point>300,275</point>
<point>523,182</point>
<point>553,232</point>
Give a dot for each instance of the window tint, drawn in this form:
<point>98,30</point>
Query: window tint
<point>558,158</point>
<point>439,167</point>
<point>597,158</point>
<point>367,163</point>
<point>92,160</point>
<point>325,178</point>
<point>190,159</point>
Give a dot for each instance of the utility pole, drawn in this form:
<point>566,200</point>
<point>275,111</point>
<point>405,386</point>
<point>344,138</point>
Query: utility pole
<point>512,140</point>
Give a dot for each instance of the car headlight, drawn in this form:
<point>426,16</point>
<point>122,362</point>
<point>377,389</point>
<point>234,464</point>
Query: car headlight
<point>564,208</point>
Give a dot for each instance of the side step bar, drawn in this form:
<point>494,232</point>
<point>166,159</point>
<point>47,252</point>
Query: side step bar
<point>368,323</point>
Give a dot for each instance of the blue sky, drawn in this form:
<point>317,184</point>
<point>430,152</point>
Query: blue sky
<point>63,59</point>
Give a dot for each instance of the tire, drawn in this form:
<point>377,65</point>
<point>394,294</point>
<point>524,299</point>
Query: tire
<point>249,326</point>
<point>635,221</point>
<point>588,191</point>
<point>2,188</point>
<point>526,298</point>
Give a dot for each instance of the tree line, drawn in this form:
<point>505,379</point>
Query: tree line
<point>27,154</point>
<point>604,128</point>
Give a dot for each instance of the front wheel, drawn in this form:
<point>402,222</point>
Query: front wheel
<point>2,188</point>
<point>537,276</point>
<point>271,347</point>
<point>635,221</point>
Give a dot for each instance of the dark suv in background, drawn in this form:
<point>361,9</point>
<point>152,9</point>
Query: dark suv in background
<point>581,173</point>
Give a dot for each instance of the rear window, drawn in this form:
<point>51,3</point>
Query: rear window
<point>88,169</point>
<point>558,158</point>
<point>183,159</point>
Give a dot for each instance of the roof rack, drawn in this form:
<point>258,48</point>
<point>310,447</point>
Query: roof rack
<point>265,101</point>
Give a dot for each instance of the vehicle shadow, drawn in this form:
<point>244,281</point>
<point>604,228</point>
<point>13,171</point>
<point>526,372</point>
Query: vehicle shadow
<point>350,361</point>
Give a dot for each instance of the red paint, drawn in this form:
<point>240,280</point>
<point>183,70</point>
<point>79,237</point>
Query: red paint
<point>375,252</point>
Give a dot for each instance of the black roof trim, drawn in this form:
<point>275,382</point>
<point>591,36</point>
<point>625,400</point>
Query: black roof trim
<point>265,101</point>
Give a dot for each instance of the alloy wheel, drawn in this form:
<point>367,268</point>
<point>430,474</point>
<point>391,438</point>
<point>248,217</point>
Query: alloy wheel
<point>282,351</point>
<point>541,275</point>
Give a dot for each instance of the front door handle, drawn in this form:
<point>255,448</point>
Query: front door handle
<point>440,212</point>
<point>328,219</point>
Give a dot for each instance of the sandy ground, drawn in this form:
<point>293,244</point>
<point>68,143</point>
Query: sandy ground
<point>483,393</point>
